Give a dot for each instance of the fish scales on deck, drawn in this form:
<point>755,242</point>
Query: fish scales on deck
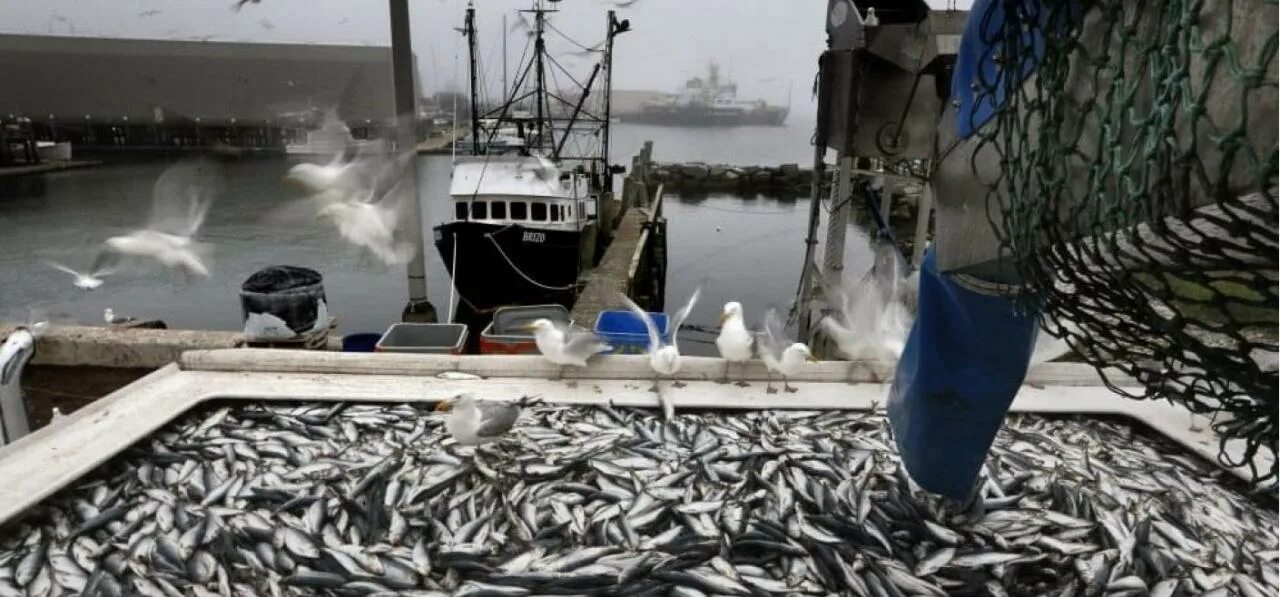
<point>303,498</point>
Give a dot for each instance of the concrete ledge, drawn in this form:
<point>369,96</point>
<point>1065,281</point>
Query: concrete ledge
<point>604,367</point>
<point>122,347</point>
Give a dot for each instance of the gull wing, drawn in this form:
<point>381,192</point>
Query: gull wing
<point>182,195</point>
<point>584,343</point>
<point>682,315</point>
<point>773,336</point>
<point>655,340</point>
<point>496,418</point>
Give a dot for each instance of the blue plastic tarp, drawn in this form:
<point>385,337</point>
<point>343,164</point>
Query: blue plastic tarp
<point>965,358</point>
<point>986,51</point>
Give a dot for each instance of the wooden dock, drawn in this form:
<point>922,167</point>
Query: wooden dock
<point>635,262</point>
<point>45,167</point>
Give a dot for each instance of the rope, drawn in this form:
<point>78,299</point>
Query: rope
<point>453,280</point>
<point>517,269</point>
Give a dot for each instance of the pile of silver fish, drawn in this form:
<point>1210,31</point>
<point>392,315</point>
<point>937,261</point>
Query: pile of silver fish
<point>361,499</point>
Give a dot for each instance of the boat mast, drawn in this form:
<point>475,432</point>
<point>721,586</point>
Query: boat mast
<point>504,54</point>
<point>470,31</point>
<point>539,48</point>
<point>612,29</point>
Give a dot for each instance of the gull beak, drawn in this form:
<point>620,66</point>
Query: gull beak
<point>528,327</point>
<point>723,317</point>
<point>812,359</point>
<point>444,405</point>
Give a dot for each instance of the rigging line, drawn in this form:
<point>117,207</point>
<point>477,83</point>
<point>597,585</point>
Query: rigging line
<point>517,269</point>
<point>566,72</point>
<point>574,41</point>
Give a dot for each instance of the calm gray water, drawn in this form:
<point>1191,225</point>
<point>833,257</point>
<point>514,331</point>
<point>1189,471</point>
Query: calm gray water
<point>741,248</point>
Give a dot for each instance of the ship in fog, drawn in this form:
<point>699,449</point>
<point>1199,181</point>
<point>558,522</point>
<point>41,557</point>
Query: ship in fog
<point>708,101</point>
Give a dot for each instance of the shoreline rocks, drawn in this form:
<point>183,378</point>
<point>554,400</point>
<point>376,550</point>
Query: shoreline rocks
<point>788,179</point>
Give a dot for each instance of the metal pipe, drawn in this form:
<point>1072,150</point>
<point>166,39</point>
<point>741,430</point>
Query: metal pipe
<point>419,308</point>
<point>14,354</point>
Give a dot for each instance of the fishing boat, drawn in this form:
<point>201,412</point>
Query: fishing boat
<point>523,202</point>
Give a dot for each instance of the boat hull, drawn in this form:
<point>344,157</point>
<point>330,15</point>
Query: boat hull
<point>488,256</point>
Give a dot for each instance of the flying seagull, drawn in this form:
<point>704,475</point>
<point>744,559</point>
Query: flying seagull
<point>90,280</point>
<point>664,359</point>
<point>179,203</point>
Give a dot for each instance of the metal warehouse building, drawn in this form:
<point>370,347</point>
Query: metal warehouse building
<point>111,92</point>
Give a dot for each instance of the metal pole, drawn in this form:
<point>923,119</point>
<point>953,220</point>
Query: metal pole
<point>419,309</point>
<point>476,147</point>
<point>811,241</point>
<point>838,224</point>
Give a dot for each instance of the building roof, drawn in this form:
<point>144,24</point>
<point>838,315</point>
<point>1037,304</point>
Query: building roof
<point>111,78</point>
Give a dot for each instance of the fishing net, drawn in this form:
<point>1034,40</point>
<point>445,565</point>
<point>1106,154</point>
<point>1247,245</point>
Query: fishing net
<point>1136,193</point>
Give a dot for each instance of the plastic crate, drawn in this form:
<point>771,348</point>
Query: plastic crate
<point>431,338</point>
<point>514,343</point>
<point>509,321</point>
<point>626,332</point>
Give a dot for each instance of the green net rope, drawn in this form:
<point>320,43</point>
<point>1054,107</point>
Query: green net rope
<point>1137,196</point>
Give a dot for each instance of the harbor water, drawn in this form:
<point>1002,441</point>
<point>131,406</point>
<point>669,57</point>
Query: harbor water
<point>739,248</point>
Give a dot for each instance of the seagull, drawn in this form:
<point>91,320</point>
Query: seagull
<point>180,202</point>
<point>565,346</point>
<point>735,341</point>
<point>872,20</point>
<point>84,280</point>
<point>473,422</point>
<point>664,358</point>
<point>871,320</point>
<point>364,196</point>
<point>779,353</point>
<point>149,13</point>
<point>624,3</point>
<point>109,316</point>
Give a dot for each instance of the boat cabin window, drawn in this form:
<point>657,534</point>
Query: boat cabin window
<point>498,209</point>
<point>555,213</point>
<point>479,210</point>
<point>519,210</point>
<point>460,210</point>
<point>568,211</point>
<point>539,212</point>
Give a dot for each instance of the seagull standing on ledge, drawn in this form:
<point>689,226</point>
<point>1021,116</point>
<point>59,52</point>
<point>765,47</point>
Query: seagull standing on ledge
<point>564,345</point>
<point>734,341</point>
<point>779,353</point>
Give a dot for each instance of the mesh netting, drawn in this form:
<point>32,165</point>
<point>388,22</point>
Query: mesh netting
<point>1137,194</point>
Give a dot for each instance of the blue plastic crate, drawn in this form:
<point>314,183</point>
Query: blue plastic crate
<point>625,331</point>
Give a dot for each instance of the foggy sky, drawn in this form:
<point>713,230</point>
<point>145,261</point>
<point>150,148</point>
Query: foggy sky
<point>769,48</point>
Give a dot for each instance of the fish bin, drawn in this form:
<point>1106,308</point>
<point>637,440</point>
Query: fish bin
<point>431,338</point>
<point>254,472</point>
<point>626,333</point>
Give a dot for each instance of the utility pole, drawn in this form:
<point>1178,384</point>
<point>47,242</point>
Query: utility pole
<point>419,309</point>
